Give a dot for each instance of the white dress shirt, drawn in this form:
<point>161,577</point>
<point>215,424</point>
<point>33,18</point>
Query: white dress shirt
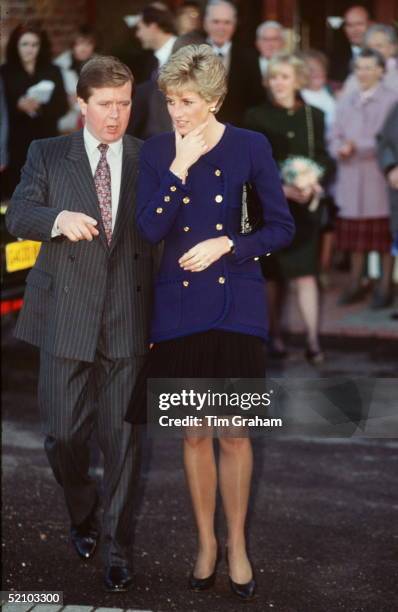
<point>114,156</point>
<point>163,54</point>
<point>225,51</point>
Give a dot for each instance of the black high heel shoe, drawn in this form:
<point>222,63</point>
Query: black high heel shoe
<point>202,584</point>
<point>246,591</point>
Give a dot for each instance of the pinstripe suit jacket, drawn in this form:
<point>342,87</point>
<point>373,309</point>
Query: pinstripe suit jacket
<point>79,290</point>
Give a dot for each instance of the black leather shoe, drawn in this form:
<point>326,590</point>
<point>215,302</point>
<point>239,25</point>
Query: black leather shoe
<point>85,536</point>
<point>245,591</point>
<point>202,584</point>
<point>117,579</point>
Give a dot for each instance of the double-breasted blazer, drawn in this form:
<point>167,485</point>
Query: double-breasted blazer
<point>229,294</point>
<point>79,290</point>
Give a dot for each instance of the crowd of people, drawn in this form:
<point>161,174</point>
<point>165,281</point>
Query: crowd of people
<point>328,109</point>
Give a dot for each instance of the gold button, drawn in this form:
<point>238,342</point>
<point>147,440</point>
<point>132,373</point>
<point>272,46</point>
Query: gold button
<point>173,188</point>
<point>217,172</point>
<point>159,210</point>
<point>221,280</point>
<point>186,200</point>
<point>256,258</point>
<point>186,228</point>
<point>166,198</point>
<point>185,283</point>
<point>218,199</point>
<point>290,134</point>
<point>219,227</point>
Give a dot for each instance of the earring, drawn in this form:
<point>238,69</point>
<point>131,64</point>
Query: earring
<point>212,109</point>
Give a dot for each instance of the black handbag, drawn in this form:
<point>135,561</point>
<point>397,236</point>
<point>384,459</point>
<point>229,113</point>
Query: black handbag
<point>252,211</point>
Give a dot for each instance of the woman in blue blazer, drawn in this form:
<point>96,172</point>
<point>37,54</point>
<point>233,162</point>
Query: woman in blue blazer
<point>209,316</point>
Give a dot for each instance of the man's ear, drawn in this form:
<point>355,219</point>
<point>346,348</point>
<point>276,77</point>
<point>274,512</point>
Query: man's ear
<point>83,106</point>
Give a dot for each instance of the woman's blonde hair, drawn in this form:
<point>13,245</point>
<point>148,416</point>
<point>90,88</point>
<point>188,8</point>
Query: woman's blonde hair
<point>300,68</point>
<point>198,67</point>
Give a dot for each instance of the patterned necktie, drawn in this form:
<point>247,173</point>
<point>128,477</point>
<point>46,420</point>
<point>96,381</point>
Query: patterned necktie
<point>102,180</point>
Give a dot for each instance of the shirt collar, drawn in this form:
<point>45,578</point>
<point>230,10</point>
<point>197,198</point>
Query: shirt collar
<point>225,49</point>
<point>163,54</point>
<point>91,143</point>
<point>368,94</point>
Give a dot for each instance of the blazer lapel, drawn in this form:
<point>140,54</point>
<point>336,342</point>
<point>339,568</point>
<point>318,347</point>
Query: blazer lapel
<point>79,170</point>
<point>126,206</point>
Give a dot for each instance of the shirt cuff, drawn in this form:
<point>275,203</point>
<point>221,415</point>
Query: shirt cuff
<point>55,230</point>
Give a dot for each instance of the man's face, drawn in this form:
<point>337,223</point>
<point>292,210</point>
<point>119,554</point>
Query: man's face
<point>269,42</point>
<point>355,25</point>
<point>220,24</point>
<point>107,112</point>
<point>380,42</point>
<point>146,34</point>
<point>368,72</point>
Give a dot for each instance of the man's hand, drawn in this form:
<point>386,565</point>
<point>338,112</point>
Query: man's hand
<point>77,226</point>
<point>30,106</point>
<point>205,253</point>
<point>392,178</point>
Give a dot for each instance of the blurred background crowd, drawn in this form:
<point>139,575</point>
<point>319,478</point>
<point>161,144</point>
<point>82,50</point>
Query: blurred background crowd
<point>321,87</point>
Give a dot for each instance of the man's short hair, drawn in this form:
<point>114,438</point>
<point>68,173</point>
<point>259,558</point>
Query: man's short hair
<point>270,25</point>
<point>212,3</point>
<point>163,18</point>
<point>102,71</point>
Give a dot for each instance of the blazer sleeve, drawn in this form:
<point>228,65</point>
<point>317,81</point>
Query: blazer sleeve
<point>28,214</point>
<point>159,197</point>
<point>278,229</point>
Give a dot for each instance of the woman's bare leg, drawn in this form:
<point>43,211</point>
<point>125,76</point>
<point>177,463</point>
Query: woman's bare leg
<point>201,474</point>
<point>308,300</point>
<point>235,471</point>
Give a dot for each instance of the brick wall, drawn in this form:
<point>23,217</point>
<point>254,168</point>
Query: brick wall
<point>59,17</point>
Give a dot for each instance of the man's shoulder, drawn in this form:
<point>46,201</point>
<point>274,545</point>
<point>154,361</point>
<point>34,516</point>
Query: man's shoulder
<point>55,144</point>
<point>133,142</point>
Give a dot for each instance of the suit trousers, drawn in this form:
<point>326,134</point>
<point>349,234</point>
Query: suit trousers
<point>74,398</point>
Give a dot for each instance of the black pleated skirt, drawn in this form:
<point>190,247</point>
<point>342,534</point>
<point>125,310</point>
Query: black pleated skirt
<point>210,354</point>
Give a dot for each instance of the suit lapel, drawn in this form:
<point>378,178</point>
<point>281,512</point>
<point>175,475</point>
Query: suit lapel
<point>127,193</point>
<point>79,170</point>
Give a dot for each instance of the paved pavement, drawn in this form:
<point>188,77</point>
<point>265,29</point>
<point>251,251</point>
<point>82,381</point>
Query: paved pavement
<point>322,528</point>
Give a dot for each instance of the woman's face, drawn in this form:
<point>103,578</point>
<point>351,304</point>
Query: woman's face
<point>28,47</point>
<point>187,109</point>
<point>317,74</point>
<point>368,72</point>
<point>381,43</point>
<point>283,82</point>
<point>83,48</point>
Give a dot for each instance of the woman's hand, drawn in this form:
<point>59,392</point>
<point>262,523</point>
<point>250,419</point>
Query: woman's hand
<point>346,150</point>
<point>28,105</point>
<point>297,195</point>
<point>188,150</point>
<point>392,178</point>
<point>205,253</point>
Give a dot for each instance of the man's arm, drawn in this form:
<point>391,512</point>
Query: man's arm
<point>29,215</point>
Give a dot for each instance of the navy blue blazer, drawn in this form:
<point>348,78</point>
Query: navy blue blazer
<point>229,294</point>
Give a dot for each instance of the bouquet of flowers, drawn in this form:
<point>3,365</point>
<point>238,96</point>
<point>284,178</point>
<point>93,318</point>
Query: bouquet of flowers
<point>304,174</point>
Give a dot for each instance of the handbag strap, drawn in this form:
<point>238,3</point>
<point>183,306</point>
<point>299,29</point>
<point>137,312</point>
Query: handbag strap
<point>310,131</point>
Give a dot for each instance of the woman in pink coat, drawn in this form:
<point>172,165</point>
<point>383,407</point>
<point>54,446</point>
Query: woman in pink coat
<point>361,194</point>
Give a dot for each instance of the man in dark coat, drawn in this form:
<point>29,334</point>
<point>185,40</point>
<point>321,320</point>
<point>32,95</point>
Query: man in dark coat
<point>356,24</point>
<point>244,77</point>
<point>86,305</point>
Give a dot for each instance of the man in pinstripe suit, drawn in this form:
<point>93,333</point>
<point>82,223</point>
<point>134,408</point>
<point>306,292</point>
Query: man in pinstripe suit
<point>87,303</point>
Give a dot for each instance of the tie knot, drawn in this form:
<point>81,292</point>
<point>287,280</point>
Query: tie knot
<point>103,148</point>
